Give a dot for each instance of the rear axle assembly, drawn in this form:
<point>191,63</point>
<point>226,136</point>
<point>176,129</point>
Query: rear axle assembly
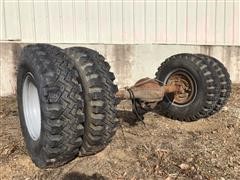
<point>67,98</point>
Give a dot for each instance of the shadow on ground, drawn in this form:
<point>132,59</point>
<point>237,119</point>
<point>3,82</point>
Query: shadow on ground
<point>128,117</point>
<point>80,176</point>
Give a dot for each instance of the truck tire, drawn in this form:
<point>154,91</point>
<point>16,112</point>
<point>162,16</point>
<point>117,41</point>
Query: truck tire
<point>50,102</point>
<point>99,95</point>
<point>224,81</point>
<point>200,96</point>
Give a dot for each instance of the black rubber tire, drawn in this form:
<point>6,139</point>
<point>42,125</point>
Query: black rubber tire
<point>61,104</point>
<point>206,93</point>
<point>224,81</point>
<point>100,102</point>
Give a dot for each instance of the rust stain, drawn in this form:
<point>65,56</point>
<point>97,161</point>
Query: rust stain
<point>16,52</point>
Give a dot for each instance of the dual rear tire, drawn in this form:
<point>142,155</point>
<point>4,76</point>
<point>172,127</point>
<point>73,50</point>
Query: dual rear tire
<point>66,101</point>
<point>207,86</point>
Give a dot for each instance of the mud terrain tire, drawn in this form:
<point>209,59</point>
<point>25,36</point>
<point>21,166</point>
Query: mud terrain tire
<point>99,97</point>
<point>50,102</point>
<point>224,81</point>
<point>203,98</point>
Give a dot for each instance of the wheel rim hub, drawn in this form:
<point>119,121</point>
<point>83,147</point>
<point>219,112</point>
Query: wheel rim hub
<point>31,107</point>
<point>187,87</point>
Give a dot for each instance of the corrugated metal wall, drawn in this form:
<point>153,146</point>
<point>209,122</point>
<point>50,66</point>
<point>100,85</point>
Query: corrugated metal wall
<point>206,22</point>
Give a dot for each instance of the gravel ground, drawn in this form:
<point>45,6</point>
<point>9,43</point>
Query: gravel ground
<point>160,149</point>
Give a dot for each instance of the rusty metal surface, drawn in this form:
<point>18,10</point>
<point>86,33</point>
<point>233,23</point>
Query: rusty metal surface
<point>187,87</point>
<point>148,90</point>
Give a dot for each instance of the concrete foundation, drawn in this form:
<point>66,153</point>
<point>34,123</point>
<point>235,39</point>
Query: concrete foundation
<point>129,62</point>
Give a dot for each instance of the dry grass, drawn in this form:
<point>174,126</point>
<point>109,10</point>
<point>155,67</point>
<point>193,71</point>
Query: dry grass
<point>161,149</point>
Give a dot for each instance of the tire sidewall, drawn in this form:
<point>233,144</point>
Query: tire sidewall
<point>34,147</point>
<point>197,76</point>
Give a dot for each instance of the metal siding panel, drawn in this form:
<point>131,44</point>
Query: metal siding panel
<point>201,21</point>
<point>116,21</point>
<point>41,19</point>
<point>192,22</point>
<point>171,22</point>
<point>236,33</point>
<point>219,35</point>
<point>2,22</point>
<point>150,19</point>
<point>139,15</point>
<point>27,21</point>
<point>210,37</point>
<point>161,21</point>
<point>81,27</point>
<point>122,21</point>
<point>74,21</point>
<point>128,22</point>
<point>68,21</point>
<point>181,22</point>
<point>104,22</point>
<point>92,13</point>
<point>12,20</point>
<point>55,22</point>
<point>229,24</point>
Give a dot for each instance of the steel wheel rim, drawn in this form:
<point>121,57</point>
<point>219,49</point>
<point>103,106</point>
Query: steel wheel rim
<point>187,80</point>
<point>31,107</point>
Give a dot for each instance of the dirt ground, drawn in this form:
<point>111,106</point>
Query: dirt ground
<point>160,149</point>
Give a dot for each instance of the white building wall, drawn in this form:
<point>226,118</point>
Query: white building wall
<point>197,22</point>
<point>135,36</point>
